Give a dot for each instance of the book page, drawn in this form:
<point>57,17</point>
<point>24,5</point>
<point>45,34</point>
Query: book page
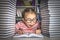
<point>29,35</point>
<point>35,35</point>
<point>18,35</point>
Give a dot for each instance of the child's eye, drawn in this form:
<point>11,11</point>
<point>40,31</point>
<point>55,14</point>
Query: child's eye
<point>30,20</point>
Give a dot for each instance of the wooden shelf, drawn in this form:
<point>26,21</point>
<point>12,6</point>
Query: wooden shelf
<point>25,6</point>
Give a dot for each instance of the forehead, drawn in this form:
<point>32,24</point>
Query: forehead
<point>30,15</point>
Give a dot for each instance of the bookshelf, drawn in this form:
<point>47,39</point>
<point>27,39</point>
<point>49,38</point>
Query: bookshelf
<point>20,7</point>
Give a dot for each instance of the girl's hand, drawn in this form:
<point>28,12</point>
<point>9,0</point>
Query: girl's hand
<point>19,32</point>
<point>38,31</point>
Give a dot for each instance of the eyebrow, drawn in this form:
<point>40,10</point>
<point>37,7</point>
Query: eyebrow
<point>30,18</point>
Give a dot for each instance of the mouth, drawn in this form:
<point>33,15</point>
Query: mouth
<point>30,25</point>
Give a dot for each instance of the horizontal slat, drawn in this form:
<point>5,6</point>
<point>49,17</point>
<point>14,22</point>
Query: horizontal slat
<point>54,8</point>
<point>7,18</point>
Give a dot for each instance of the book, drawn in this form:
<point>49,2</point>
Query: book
<point>29,35</point>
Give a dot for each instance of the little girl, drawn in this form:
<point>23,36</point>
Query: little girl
<point>29,23</point>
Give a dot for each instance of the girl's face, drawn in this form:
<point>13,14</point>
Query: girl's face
<point>30,19</point>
